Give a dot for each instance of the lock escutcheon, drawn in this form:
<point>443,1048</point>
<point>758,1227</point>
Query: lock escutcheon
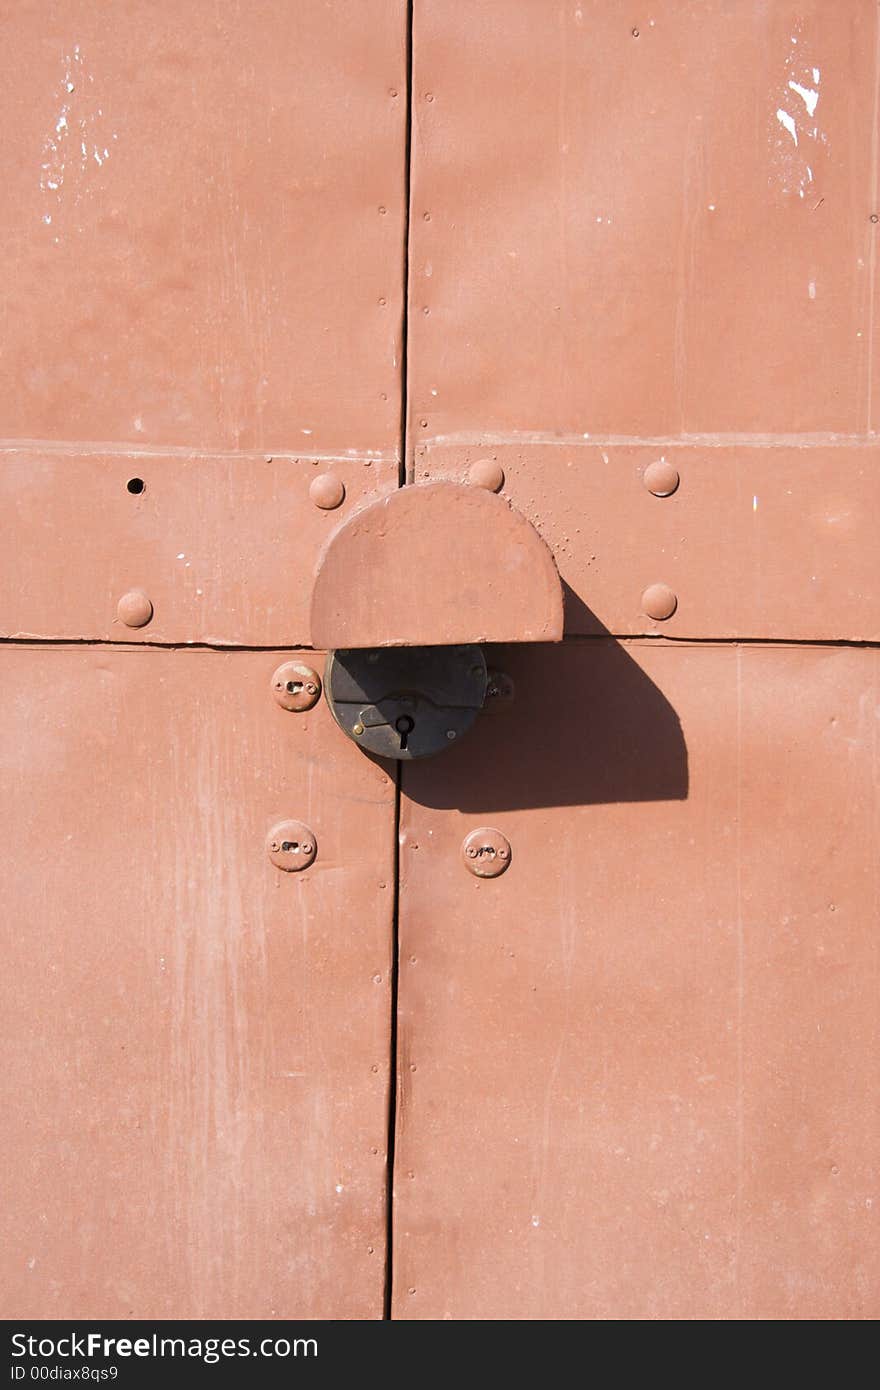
<point>406,702</point>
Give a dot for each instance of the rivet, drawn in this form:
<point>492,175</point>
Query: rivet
<point>500,692</point>
<point>291,846</point>
<point>659,602</point>
<point>486,852</point>
<point>358,729</point>
<point>134,608</point>
<point>327,491</point>
<point>486,473</point>
<point>661,478</point>
<point>296,686</point>
<point>450,733</point>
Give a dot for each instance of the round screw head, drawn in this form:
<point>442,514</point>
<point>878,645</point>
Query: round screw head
<point>486,473</point>
<point>291,846</point>
<point>358,729</point>
<point>486,852</point>
<point>661,478</point>
<point>134,608</point>
<point>327,491</point>
<point>296,686</point>
<point>659,602</point>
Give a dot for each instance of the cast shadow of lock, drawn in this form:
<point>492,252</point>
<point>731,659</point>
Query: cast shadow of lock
<point>586,726</point>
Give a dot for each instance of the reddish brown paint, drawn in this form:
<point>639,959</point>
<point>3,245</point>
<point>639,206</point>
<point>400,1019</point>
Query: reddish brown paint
<point>760,539</point>
<point>195,1086</point>
<point>639,1069</point>
<point>201,272</point>
<point>608,232</point>
<point>225,547</point>
<point>229,276</point>
<point>435,565</point>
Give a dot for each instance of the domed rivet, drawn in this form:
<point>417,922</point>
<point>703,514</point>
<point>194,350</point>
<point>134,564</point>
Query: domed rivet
<point>327,491</point>
<point>134,608</point>
<point>486,473</point>
<point>661,478</point>
<point>659,602</point>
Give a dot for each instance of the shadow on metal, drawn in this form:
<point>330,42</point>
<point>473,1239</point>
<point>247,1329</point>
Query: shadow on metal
<point>586,726</point>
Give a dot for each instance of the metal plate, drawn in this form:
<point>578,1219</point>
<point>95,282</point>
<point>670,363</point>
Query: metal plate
<point>665,1011</point>
<point>616,233</point>
<point>201,234</point>
<point>225,547</point>
<point>436,565</point>
<point>766,539</point>
<point>198,1067</point>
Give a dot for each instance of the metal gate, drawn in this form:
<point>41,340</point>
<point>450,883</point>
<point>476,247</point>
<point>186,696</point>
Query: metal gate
<point>577,1019</point>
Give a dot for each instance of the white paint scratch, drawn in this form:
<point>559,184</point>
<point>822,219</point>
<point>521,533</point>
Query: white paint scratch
<point>808,96</point>
<point>787,121</point>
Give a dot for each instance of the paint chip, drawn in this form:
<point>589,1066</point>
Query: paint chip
<point>809,97</point>
<point>786,120</point>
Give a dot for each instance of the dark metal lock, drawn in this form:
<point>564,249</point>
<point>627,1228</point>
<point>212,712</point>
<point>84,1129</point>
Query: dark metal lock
<point>406,702</point>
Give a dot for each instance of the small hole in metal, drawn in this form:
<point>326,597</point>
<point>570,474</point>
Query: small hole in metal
<point>294,687</point>
<point>135,485</point>
<point>290,845</point>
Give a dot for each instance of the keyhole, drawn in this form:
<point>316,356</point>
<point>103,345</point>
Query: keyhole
<point>404,726</point>
<point>290,846</point>
<point>294,687</point>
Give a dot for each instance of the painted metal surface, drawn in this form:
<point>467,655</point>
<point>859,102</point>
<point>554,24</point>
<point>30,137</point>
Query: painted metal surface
<point>436,565</point>
<point>764,540</point>
<point>638,1070</point>
<point>638,1020</point>
<point>224,547</point>
<point>201,272</point>
<point>195,1081</point>
<point>624,236</point>
<point>202,224</point>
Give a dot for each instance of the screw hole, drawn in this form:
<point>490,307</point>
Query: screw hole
<point>135,485</point>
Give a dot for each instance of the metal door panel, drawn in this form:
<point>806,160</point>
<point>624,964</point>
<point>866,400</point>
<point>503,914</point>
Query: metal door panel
<point>196,1077</point>
<point>202,223</point>
<point>639,1071</point>
<point>614,230</point>
<point>202,239</point>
